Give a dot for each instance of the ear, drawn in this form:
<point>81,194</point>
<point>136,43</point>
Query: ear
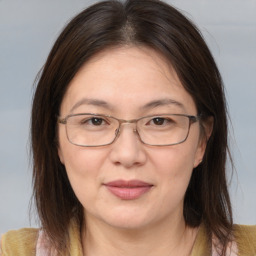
<point>206,132</point>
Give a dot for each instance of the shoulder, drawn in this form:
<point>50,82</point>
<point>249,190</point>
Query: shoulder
<point>19,242</point>
<point>245,232</point>
<point>245,237</point>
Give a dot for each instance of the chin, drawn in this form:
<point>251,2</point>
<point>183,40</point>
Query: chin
<point>128,220</point>
<point>128,224</point>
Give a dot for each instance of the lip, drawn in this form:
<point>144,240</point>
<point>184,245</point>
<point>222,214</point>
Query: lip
<point>128,190</point>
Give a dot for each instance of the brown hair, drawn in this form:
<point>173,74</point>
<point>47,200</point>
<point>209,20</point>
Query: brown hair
<point>137,22</point>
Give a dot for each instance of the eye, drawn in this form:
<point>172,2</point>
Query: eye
<point>96,121</point>
<point>93,121</point>
<point>158,120</point>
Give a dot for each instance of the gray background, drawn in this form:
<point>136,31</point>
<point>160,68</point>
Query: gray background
<point>28,29</point>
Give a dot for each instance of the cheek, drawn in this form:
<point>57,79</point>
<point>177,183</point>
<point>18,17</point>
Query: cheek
<point>79,161</point>
<point>174,167</point>
<point>82,166</point>
<point>174,161</point>
<point>83,170</point>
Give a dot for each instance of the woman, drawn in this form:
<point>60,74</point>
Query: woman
<point>129,141</point>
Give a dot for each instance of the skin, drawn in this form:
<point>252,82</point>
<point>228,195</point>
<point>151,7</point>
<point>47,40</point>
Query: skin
<point>127,79</point>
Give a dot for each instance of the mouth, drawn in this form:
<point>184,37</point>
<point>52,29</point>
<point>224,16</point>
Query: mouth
<point>128,190</point>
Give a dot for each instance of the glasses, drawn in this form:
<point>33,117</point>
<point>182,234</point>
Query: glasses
<point>94,130</point>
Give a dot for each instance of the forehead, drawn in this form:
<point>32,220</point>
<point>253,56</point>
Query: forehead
<point>126,77</point>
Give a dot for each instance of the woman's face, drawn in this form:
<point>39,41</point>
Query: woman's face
<point>129,184</point>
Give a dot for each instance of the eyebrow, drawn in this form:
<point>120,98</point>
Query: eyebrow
<point>104,104</point>
<point>163,102</point>
<point>93,102</point>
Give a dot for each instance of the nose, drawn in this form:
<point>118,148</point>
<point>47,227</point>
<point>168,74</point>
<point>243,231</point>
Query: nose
<point>128,150</point>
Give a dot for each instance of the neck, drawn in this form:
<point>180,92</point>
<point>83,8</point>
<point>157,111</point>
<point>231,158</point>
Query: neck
<point>100,239</point>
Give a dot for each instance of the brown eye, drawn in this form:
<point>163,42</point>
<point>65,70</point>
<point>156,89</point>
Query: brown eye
<point>158,121</point>
<point>93,121</point>
<point>97,121</point>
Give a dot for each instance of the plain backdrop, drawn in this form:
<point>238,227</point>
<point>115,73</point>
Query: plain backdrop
<point>28,28</point>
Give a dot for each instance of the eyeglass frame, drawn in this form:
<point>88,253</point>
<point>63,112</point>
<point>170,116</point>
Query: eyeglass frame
<point>192,119</point>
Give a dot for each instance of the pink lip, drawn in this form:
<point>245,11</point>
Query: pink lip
<point>128,190</point>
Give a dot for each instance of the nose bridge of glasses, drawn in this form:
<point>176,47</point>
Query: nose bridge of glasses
<point>132,122</point>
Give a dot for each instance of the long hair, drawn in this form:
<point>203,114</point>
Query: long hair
<point>157,25</point>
